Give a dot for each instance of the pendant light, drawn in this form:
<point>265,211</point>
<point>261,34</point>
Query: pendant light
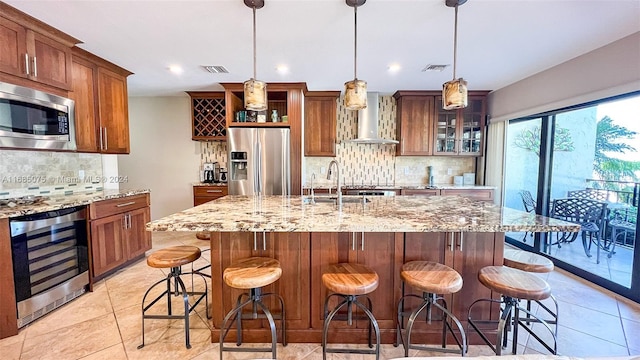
<point>255,91</point>
<point>454,92</point>
<point>355,91</point>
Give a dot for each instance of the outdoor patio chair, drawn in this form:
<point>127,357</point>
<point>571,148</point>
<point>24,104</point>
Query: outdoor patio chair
<point>593,194</point>
<point>529,206</point>
<point>623,223</point>
<point>591,215</point>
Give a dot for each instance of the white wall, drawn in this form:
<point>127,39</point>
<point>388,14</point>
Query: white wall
<point>611,70</point>
<point>163,157</point>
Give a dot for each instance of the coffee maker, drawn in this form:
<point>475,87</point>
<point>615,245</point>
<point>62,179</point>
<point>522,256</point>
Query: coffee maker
<point>211,172</point>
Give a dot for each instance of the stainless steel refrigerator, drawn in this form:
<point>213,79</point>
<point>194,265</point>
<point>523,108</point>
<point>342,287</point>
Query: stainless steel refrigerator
<point>259,162</point>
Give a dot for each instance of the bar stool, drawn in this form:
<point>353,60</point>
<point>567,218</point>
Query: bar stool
<point>350,281</point>
<point>513,285</point>
<point>431,278</point>
<point>530,262</point>
<point>174,257</point>
<point>252,274</point>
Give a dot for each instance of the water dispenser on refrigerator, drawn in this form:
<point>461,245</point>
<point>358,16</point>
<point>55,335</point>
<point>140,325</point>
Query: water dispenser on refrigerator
<point>238,165</point>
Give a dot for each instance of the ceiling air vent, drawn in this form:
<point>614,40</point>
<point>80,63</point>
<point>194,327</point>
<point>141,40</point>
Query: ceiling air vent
<point>434,67</point>
<point>216,69</point>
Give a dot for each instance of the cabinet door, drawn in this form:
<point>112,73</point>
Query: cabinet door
<point>51,60</point>
<point>208,114</point>
<point>472,127</point>
<point>107,243</point>
<point>476,194</point>
<point>320,125</point>
<point>138,239</point>
<point>446,130</point>
<point>414,129</point>
<point>113,111</point>
<point>12,48</point>
<point>84,94</point>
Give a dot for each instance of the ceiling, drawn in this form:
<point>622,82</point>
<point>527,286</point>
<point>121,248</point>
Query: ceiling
<point>499,41</point>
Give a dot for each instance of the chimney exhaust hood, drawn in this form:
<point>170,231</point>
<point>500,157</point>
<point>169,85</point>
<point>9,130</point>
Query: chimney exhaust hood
<point>368,123</point>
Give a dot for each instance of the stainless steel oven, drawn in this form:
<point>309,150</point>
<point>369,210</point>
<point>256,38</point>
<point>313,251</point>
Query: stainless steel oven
<point>50,260</point>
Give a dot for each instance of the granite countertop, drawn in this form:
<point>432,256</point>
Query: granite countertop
<point>381,214</point>
<point>56,202</point>
<point>400,187</point>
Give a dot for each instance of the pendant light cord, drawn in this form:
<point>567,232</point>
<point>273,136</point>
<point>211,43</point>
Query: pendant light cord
<point>455,42</point>
<point>254,43</point>
<point>355,42</point>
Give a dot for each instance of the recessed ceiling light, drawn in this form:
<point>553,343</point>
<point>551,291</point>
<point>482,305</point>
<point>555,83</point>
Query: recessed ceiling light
<point>394,68</point>
<point>282,69</point>
<point>176,69</point>
<point>434,67</point>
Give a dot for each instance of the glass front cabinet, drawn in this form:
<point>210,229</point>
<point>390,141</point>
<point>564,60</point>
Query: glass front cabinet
<point>460,132</point>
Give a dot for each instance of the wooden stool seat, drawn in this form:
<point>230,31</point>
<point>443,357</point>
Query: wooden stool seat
<point>173,256</point>
<point>203,235</point>
<point>514,283</point>
<point>350,279</point>
<point>431,277</point>
<point>253,272</point>
<point>527,261</point>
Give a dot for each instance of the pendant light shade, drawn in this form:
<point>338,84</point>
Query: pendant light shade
<point>355,91</point>
<point>255,91</point>
<point>454,92</point>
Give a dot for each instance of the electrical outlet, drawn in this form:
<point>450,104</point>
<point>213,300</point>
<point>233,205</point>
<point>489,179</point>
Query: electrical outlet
<point>449,171</point>
<point>323,170</point>
<point>406,170</point>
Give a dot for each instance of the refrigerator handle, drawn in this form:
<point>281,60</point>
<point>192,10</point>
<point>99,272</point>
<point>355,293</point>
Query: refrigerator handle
<point>258,162</point>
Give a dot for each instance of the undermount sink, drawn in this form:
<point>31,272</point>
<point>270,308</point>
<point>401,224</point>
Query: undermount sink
<point>334,199</point>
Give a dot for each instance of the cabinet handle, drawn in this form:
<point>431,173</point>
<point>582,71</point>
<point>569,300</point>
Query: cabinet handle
<point>362,243</point>
<point>106,139</point>
<point>35,67</point>
<point>353,241</point>
<point>214,191</point>
<point>461,239</point>
<point>264,241</point>
<point>126,204</point>
<point>129,216</point>
<point>101,144</point>
<point>26,64</point>
<point>255,241</point>
<point>124,221</point>
<point>452,236</point>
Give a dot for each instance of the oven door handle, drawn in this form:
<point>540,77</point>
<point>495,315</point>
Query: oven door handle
<point>22,227</point>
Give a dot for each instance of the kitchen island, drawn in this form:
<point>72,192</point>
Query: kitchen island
<point>380,232</point>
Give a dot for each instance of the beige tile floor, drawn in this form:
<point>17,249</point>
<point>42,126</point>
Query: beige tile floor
<point>105,324</point>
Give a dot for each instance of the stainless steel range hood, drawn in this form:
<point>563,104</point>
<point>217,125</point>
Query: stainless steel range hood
<point>368,123</point>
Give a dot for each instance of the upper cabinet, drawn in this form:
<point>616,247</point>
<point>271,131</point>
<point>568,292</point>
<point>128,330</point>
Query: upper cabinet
<point>460,132</point>
<point>208,114</point>
<point>320,123</point>
<point>424,128</point>
<point>32,52</point>
<point>99,90</point>
<point>414,122</point>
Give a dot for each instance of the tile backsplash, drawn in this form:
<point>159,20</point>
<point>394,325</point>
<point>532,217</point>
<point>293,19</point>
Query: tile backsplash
<point>45,172</point>
<point>376,164</point>
<point>366,164</point>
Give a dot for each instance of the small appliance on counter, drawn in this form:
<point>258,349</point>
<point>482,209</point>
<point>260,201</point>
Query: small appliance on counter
<point>223,175</point>
<point>211,173</point>
<point>469,178</point>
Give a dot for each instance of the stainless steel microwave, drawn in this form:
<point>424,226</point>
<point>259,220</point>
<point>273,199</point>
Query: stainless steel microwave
<point>32,119</point>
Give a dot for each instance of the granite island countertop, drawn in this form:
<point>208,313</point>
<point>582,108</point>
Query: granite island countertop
<point>56,202</point>
<point>399,187</point>
<point>237,213</point>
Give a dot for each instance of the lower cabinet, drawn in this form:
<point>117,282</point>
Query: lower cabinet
<point>206,193</point>
<point>476,194</point>
<point>292,250</point>
<point>118,233</point>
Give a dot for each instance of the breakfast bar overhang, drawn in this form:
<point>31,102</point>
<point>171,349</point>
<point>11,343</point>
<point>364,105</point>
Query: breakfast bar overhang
<point>308,235</point>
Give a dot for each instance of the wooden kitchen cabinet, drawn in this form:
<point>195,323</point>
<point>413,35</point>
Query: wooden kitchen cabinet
<point>292,250</point>
<point>421,192</point>
<point>102,112</point>
<point>461,131</point>
<point>466,253</point>
<point>414,122</point>
<point>476,194</point>
<point>206,193</point>
<point>118,234</point>
<point>333,248</point>
<point>320,123</point>
<point>32,51</point>
<point>208,115</point>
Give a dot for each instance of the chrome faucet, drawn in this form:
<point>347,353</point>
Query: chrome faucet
<point>313,197</point>
<point>339,183</point>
